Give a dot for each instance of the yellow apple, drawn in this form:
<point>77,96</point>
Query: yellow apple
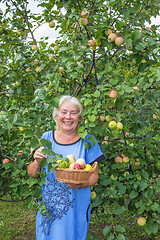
<point>141,221</point>
<point>87,167</point>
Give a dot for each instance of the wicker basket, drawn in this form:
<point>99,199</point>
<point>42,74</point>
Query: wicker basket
<point>74,176</point>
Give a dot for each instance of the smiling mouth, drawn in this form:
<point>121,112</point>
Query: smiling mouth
<point>67,123</point>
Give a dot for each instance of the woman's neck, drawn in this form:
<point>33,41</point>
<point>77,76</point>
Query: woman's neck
<point>66,137</point>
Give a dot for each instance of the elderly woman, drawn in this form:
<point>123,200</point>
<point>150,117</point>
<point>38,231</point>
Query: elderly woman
<point>68,205</point>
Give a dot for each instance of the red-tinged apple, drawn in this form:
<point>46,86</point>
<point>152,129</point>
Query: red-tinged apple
<point>108,118</point>
<point>125,159</point>
<point>105,142</point>
<point>119,41</point>
<point>87,167</point>
<point>108,31</point>
<point>81,162</point>
<point>112,125</point>
<point>84,13</point>
<point>112,37</point>
<point>6,160</point>
<point>18,83</point>
<point>51,58</point>
<point>155,116</point>
<point>74,166</point>
<point>91,42</point>
<point>61,164</point>
<point>93,195</point>
<point>102,118</point>
<point>83,21</point>
<point>71,158</point>
<point>119,126</point>
<point>84,47</point>
<point>148,29</point>
<point>56,48</point>
<point>61,69</point>
<point>51,24</point>
<point>38,69</point>
<point>136,88</point>
<point>127,133</point>
<point>141,221</point>
<point>34,47</point>
<point>137,163</point>
<point>113,94</point>
<point>28,69</point>
<point>118,159</point>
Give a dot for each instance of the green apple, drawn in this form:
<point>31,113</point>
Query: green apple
<point>51,24</point>
<point>119,126</point>
<point>108,118</point>
<point>38,69</point>
<point>87,167</point>
<point>112,125</point>
<point>61,164</point>
<point>18,83</point>
<point>141,221</point>
<point>51,58</point>
<point>21,129</point>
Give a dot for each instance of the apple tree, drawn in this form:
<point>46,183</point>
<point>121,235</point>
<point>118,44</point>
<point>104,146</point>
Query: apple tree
<point>106,54</point>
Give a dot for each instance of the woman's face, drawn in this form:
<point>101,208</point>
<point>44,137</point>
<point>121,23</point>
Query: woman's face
<point>68,117</point>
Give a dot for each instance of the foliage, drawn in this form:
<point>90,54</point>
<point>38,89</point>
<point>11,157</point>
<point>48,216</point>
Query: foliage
<point>28,97</point>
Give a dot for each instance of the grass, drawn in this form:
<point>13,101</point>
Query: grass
<point>17,223</point>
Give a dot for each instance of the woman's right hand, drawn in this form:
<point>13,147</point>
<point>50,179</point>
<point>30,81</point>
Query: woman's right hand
<point>38,156</point>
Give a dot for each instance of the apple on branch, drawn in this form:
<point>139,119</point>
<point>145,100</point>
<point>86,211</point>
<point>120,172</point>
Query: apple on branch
<point>38,69</point>
<point>51,58</point>
<point>141,221</point>
<point>118,159</point>
<point>51,24</point>
<point>119,41</point>
<point>113,94</point>
<point>34,47</point>
<point>112,37</point>
<point>112,125</point>
<point>6,160</point>
<point>56,48</point>
<point>119,126</point>
<point>83,21</point>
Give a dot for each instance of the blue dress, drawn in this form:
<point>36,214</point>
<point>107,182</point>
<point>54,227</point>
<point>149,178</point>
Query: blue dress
<point>69,209</point>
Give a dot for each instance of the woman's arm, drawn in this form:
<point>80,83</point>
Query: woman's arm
<point>33,168</point>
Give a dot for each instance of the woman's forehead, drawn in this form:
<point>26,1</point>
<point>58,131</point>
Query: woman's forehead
<point>68,105</point>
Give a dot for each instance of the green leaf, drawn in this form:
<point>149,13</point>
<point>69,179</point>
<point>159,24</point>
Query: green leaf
<point>92,140</point>
<point>120,228</point>
<point>133,194</point>
<point>136,35</point>
<point>107,229</point>
<point>32,181</point>
<point>121,237</point>
<point>118,210</point>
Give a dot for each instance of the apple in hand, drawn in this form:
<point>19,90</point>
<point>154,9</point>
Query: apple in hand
<point>141,221</point>
<point>81,162</point>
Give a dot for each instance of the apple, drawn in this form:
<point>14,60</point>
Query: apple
<point>28,69</point>
<point>136,88</point>
<point>61,68</point>
<point>127,133</point>
<point>34,47</point>
<point>112,125</point>
<point>67,80</point>
<point>105,142</point>
<point>108,31</point>
<point>112,37</point>
<point>84,47</point>
<point>91,42</point>
<point>113,94</point>
<point>56,48</point>
<point>118,159</point>
<point>71,159</point>
<point>93,195</point>
<point>155,116</point>
<point>141,221</point>
<point>51,24</point>
<point>84,13</point>
<point>1,29</point>
<point>21,129</point>
<point>108,118</point>
<point>18,83</point>
<point>81,162</point>
<point>119,41</point>
<point>87,167</point>
<point>102,118</point>
<point>83,21</point>
<point>148,29</point>
<point>61,164</point>
<point>137,163</point>
<point>51,58</point>
<point>119,126</point>
<point>74,166</point>
<point>38,69</point>
<point>6,160</point>
<point>125,159</point>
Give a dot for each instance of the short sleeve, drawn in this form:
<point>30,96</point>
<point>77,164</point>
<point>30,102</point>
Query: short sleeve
<point>94,154</point>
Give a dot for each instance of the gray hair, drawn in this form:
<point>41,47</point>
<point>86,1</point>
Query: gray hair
<point>70,99</point>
